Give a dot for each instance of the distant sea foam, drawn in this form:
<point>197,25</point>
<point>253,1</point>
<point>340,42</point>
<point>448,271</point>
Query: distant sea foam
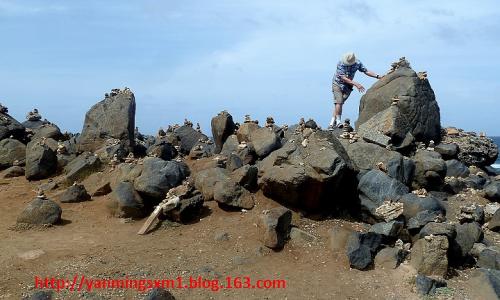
<point>496,139</point>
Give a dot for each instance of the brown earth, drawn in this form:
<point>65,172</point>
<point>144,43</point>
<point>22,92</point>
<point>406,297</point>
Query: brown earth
<point>92,243</point>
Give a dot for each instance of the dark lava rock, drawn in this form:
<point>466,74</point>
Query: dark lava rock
<point>361,249</point>
<point>9,126</point>
<point>275,226</point>
<point>205,181</point>
<point>41,161</point>
<point>492,191</point>
<point>320,174</point>
<point>430,170</point>
<point>188,137</point>
<point>111,118</point>
<point>229,192</point>
<point>494,223</point>
<point>416,112</point>
<point>389,258</point>
<point>127,203</point>
<point>413,205</point>
<point>40,295</point>
<point>401,169</point>
<point>486,283</point>
<point>428,285</point>
<point>41,211</point>
<point>435,228</point>
<point>430,256</point>
<point>467,235</point>
<point>489,259</point>
<point>12,172</point>
<point>375,187</point>
<point>264,141</point>
<point>222,127</point>
<point>447,151</point>
<point>81,167</point>
<point>75,193</point>
<point>10,151</point>
<point>456,169</point>
<point>187,210</point>
<point>159,176</point>
<point>162,149</point>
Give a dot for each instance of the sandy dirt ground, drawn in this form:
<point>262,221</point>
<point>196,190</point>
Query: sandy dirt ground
<point>92,243</point>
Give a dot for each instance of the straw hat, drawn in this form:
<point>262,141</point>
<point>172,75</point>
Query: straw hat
<point>349,58</point>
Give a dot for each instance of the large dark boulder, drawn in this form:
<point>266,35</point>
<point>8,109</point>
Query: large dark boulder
<point>467,235</point>
<point>10,127</point>
<point>455,168</point>
<point>362,248</point>
<point>230,193</point>
<point>159,176</point>
<point>485,284</point>
<point>447,151</point>
<point>41,211</point>
<point>75,193</point>
<point>112,118</point>
<point>401,169</point>
<point>274,226</point>
<point>492,191</point>
<point>10,151</point>
<point>414,205</point>
<point>430,170</point>
<point>205,181</point>
<point>416,112</point>
<point>375,187</point>
<point>222,127</point>
<point>41,161</point>
<point>264,141</point>
<point>188,137</point>
<point>126,202</point>
<point>429,256</point>
<point>313,176</point>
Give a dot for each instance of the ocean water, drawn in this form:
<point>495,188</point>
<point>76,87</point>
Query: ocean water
<point>496,139</point>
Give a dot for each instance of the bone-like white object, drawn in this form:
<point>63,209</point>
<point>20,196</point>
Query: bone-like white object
<point>169,205</point>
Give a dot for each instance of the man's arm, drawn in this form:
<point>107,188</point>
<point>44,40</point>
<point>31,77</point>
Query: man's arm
<point>372,74</point>
<point>360,88</point>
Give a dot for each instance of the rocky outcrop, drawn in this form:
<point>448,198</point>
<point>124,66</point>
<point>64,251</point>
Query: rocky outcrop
<point>75,193</point>
<point>82,167</point>
<point>400,103</point>
<point>473,150</point>
<point>429,256</point>
<point>112,118</point>
<point>366,155</point>
<point>188,137</point>
<point>126,202</point>
<point>309,172</point>
<point>430,170</point>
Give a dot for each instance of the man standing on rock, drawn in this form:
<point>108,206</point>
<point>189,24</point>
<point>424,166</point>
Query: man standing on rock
<point>343,84</point>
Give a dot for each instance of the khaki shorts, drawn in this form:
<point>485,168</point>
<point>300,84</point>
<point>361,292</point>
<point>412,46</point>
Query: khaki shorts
<point>339,96</point>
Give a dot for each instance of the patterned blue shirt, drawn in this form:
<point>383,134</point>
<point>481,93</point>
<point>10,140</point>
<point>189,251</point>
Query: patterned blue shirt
<point>348,71</point>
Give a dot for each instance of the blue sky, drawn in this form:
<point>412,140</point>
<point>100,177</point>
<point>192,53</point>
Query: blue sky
<point>194,58</point>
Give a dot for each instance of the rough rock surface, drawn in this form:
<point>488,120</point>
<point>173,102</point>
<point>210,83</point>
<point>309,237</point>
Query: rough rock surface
<point>101,122</point>
<point>40,212</point>
<point>9,126</point>
<point>455,168</point>
<point>231,193</point>
<point>429,256</point>
<point>188,138</point>
<point>264,141</point>
<point>376,187</point>
<point>366,156</point>
<point>473,150</point>
<point>311,176</point>
<point>430,170</point>
<point>81,167</point>
<point>159,176</point>
<point>416,111</point>
<point>12,172</point>
<point>10,151</point>
<point>492,191</point>
<point>205,181</point>
<point>362,248</point>
<point>274,227</point>
<point>126,202</point>
<point>222,127</point>
<point>41,161</point>
<point>428,285</point>
<point>75,193</point>
<point>486,283</point>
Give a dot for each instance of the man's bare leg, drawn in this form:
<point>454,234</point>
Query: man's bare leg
<point>338,112</point>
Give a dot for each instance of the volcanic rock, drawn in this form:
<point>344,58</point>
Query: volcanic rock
<point>41,211</point>
<point>274,227</point>
<point>41,161</point>
<point>222,127</point>
<point>429,256</point>
<point>75,193</point>
<point>113,117</point>
<point>11,150</point>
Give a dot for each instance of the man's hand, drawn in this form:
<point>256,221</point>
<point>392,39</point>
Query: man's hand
<point>360,88</point>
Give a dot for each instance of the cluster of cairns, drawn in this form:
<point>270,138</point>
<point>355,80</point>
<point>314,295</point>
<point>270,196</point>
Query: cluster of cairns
<point>396,170</point>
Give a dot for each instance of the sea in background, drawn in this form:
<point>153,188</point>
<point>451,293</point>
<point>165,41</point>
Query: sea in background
<point>496,139</point>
